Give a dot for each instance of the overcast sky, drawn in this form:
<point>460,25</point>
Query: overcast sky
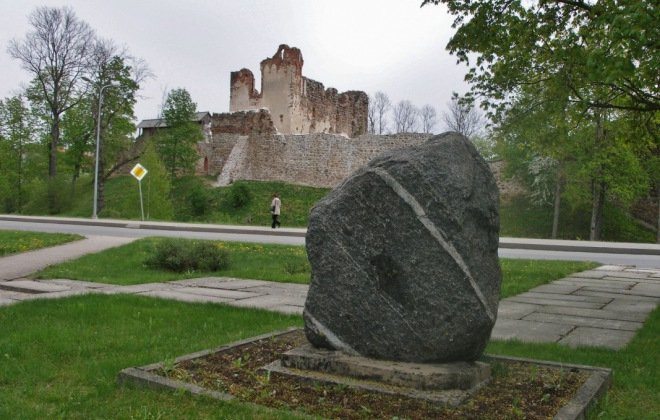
<point>389,45</point>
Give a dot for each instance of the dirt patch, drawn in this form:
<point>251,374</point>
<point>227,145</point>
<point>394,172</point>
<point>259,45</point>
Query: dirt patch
<point>517,390</point>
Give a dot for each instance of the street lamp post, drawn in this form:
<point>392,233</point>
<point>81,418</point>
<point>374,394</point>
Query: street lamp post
<point>98,147</point>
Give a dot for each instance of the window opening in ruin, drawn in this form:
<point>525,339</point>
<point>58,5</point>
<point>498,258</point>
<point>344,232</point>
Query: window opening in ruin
<point>206,165</point>
<point>281,118</point>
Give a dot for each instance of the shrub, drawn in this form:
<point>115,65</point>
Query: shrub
<point>182,256</point>
<point>238,196</point>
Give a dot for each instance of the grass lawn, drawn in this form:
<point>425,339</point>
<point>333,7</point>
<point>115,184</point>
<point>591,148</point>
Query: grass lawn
<point>13,241</point>
<point>125,264</point>
<point>60,358</point>
<point>283,263</point>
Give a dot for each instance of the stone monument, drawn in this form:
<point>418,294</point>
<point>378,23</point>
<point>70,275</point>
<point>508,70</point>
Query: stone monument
<point>404,257</point>
<point>405,275</point>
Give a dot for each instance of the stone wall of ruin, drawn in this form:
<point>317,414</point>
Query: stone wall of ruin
<point>320,160</point>
<point>298,105</point>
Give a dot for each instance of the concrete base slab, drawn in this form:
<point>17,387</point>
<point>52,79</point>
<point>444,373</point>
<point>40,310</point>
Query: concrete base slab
<point>422,376</point>
<point>528,331</point>
<point>598,337</point>
<point>228,283</point>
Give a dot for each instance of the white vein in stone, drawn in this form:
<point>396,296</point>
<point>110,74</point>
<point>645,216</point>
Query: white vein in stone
<point>331,337</point>
<point>435,231</point>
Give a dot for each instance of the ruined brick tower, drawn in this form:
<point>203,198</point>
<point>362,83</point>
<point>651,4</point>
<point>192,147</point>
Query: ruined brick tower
<point>298,105</point>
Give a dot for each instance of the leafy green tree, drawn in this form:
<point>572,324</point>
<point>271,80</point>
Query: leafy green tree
<point>605,51</point>
<point>177,143</point>
<point>118,100</point>
<point>16,147</point>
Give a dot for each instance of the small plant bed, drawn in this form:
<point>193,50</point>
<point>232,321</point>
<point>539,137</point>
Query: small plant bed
<point>517,389</point>
<point>13,241</point>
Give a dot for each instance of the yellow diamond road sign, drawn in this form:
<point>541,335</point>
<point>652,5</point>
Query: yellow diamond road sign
<point>139,172</point>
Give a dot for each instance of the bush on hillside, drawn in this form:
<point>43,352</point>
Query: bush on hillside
<point>239,196</point>
<point>185,256</point>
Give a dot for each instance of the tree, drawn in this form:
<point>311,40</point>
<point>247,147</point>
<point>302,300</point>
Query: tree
<point>15,140</point>
<point>428,116</point>
<point>602,56</point>
<point>176,143</point>
<point>57,53</point>
<point>381,105</point>
<point>462,117</point>
<point>604,51</point>
<point>405,117</point>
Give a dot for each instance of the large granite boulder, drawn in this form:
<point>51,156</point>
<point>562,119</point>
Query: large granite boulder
<point>404,256</point>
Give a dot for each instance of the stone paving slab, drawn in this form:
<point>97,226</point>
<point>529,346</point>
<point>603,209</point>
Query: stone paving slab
<point>592,274</point>
<point>268,302</point>
<point>566,297</point>
<point>614,284</point>
<point>618,295</point>
<point>7,294</point>
<point>32,286</point>
<point>295,292</point>
<point>630,306</point>
<point>528,331</point>
<point>184,297</point>
<point>594,313</point>
<point>584,321</point>
<point>288,309</point>
<point>221,283</point>
<point>643,292</point>
<point>515,310</point>
<point>136,288</point>
<point>556,288</point>
<point>6,301</point>
<point>78,283</point>
<point>628,275</point>
<point>598,337</point>
<point>646,289</point>
<point>556,302</point>
<point>612,268</point>
<point>222,293</point>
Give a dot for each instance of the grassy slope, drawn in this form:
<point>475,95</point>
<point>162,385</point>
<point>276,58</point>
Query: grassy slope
<point>12,241</point>
<point>283,263</point>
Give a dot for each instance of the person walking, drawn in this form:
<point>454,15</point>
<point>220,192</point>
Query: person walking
<point>275,207</point>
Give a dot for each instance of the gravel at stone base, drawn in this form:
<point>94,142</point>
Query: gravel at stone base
<point>517,390</point>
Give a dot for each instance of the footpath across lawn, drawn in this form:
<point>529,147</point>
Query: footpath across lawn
<point>282,263</point>
<point>14,241</point>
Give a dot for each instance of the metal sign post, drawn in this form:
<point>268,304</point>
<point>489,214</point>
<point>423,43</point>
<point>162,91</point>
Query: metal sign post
<point>139,172</point>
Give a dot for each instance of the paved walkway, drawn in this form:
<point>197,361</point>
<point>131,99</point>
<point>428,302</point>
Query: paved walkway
<point>601,307</point>
<point>24,264</point>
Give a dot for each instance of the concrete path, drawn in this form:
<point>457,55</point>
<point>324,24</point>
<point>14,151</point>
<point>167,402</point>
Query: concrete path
<point>21,265</point>
<point>602,307</point>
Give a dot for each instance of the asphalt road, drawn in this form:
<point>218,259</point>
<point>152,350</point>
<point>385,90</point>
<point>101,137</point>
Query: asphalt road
<point>641,261</point>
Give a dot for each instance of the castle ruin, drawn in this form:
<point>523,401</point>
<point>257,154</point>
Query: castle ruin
<point>297,104</point>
